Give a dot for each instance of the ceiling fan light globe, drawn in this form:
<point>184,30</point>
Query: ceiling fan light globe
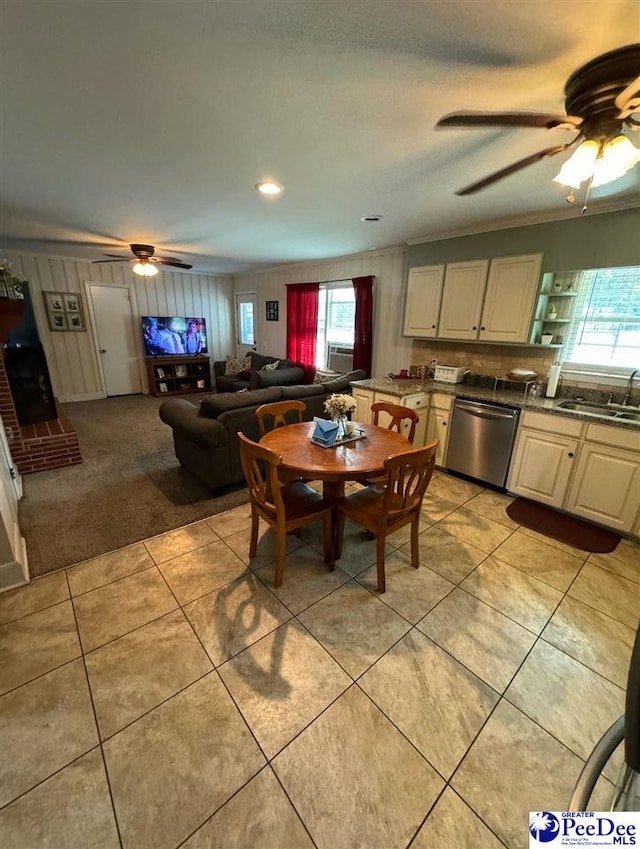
<point>580,165</point>
<point>618,156</point>
<point>145,269</point>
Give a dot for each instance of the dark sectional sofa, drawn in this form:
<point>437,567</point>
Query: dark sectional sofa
<point>205,435</point>
<point>286,374</point>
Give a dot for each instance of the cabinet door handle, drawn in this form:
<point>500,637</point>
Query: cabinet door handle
<point>444,424</point>
<point>474,327</point>
<point>482,328</point>
<point>433,327</point>
<point>570,453</point>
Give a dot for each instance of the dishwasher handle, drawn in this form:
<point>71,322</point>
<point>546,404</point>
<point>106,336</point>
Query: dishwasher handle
<point>485,412</point>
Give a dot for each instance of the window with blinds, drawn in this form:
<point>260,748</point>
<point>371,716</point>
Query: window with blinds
<point>605,330</point>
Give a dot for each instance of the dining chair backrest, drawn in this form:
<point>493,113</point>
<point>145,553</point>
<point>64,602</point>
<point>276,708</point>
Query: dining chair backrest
<point>260,468</point>
<point>408,476</point>
<point>398,414</point>
<point>278,412</point>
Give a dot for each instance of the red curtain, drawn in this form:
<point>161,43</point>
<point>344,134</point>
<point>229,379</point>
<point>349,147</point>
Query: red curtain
<point>363,336</point>
<point>302,325</point>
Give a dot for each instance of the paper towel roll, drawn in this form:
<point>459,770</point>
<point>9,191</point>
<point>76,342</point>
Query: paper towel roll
<point>554,376</point>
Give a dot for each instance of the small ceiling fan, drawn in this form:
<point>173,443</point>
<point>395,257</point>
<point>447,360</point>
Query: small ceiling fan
<point>145,260</point>
<point>600,99</point>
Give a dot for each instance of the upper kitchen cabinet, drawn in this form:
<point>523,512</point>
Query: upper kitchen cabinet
<point>422,305</point>
<point>464,285</point>
<point>512,288</point>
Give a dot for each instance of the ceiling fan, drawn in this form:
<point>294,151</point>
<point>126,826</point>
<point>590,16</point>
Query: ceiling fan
<point>145,260</point>
<point>600,99</point>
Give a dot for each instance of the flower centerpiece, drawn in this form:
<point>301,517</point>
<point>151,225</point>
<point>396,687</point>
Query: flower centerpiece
<point>338,406</point>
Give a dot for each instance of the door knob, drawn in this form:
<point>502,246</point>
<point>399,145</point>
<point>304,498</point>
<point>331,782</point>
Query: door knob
<point>103,350</point>
<point>570,453</point>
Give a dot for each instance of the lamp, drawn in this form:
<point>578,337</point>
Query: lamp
<point>599,162</point>
<point>145,269</point>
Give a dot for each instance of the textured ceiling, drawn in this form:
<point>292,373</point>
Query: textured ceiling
<point>152,121</point>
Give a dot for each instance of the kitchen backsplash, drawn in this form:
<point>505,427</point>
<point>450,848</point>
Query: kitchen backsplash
<point>494,360</point>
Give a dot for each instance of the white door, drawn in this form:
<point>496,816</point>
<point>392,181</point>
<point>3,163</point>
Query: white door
<point>116,339</point>
<point>246,323</point>
<point>422,305</point>
<point>464,284</point>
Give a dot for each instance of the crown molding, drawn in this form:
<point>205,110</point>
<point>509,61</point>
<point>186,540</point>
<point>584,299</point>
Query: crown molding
<point>525,221</point>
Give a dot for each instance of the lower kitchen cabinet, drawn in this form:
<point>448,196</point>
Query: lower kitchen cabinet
<point>541,466</point>
<point>418,402</point>
<point>364,400</point>
<point>606,486</point>
<point>438,425</point>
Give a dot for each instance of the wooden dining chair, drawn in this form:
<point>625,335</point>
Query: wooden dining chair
<point>398,415</point>
<point>278,411</point>
<point>384,511</point>
<point>284,507</point>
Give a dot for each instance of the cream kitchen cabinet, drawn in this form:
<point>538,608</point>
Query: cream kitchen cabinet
<point>510,298</point>
<point>422,304</point>
<point>438,425</point>
<point>462,296</point>
<point>543,457</point>
<point>419,402</point>
<point>606,485</point>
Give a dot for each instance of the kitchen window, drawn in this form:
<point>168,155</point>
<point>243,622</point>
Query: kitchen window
<point>604,335</point>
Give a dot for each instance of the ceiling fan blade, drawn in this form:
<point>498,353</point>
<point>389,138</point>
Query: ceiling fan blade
<point>174,264</point>
<point>120,259</point>
<point>117,256</point>
<point>508,119</point>
<point>166,258</point>
<point>626,99</point>
<point>511,169</point>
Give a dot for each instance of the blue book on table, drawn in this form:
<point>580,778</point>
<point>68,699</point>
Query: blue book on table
<point>325,432</point>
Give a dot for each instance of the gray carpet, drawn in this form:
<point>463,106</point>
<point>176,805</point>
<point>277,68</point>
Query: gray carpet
<point>129,487</point>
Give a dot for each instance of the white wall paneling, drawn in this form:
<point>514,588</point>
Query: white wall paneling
<point>391,351</point>
<point>71,356</point>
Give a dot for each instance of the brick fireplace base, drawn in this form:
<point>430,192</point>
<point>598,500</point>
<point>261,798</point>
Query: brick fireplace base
<point>36,448</point>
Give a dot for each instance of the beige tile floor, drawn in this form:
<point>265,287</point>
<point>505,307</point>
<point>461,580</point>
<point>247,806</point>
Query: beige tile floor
<point>166,695</point>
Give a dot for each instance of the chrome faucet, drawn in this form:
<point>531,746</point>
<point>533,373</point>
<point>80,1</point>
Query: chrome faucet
<point>627,395</point>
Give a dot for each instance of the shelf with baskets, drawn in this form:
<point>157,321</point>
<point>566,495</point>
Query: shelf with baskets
<point>178,375</point>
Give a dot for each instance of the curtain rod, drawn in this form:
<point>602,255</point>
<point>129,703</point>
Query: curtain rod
<point>339,280</point>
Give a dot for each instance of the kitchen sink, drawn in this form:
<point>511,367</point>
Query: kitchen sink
<point>599,410</point>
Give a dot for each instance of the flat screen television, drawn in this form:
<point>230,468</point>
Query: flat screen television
<point>165,336</point>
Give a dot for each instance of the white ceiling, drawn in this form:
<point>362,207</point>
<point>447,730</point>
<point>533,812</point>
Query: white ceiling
<point>152,121</point>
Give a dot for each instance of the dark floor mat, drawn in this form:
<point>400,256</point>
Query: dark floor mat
<point>564,528</point>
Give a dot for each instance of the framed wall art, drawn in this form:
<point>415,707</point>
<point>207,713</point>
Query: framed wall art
<point>64,311</point>
<point>272,310</point>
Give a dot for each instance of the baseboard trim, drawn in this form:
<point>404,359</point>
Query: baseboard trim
<point>15,573</point>
<point>89,396</point>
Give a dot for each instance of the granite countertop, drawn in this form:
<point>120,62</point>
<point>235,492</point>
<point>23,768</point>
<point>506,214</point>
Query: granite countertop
<point>513,397</point>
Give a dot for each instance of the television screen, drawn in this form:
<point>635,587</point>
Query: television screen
<point>167,335</point>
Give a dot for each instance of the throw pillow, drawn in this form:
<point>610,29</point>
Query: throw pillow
<point>325,375</point>
<point>270,366</point>
<point>235,365</point>
<point>244,375</point>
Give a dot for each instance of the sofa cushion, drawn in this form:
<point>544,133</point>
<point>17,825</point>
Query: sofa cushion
<point>341,383</point>
<point>286,364</point>
<point>270,366</point>
<point>235,365</point>
<point>325,375</point>
<point>289,393</point>
<point>213,406</point>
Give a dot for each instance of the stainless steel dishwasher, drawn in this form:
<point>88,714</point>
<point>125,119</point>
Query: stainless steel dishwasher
<point>481,440</point>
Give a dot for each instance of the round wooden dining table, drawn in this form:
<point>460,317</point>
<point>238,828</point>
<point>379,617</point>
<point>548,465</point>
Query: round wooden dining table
<point>334,466</point>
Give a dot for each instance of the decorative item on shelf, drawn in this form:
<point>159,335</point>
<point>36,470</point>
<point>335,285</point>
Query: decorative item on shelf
<point>570,288</point>
<point>162,387</point>
<point>546,338</point>
<point>338,406</point>
<point>558,339</point>
<point>557,287</point>
<point>553,313</point>
<point>11,286</point>
<point>181,371</point>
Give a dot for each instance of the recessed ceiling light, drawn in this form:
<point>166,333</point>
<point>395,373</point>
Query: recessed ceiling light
<point>368,218</point>
<point>268,187</point>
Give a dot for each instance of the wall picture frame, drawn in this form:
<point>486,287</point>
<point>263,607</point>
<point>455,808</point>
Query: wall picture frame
<point>272,310</point>
<point>64,311</point>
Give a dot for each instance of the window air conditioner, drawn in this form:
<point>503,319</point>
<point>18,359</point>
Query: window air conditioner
<point>339,358</point>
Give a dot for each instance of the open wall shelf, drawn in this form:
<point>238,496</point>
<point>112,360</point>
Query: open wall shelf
<point>178,375</point>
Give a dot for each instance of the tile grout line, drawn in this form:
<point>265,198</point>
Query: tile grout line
<point>97,726</point>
